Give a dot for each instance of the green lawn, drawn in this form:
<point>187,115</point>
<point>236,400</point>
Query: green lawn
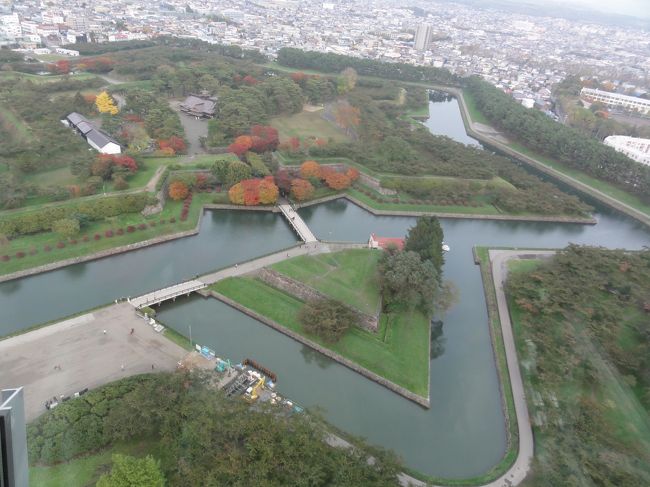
<point>307,124</point>
<point>399,351</point>
<point>8,75</point>
<point>86,470</point>
<point>349,276</point>
<point>60,176</point>
<point>37,242</point>
<point>14,125</point>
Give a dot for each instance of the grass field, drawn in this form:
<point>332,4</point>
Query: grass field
<point>398,351</point>
<point>8,75</point>
<point>349,276</point>
<point>86,470</point>
<point>14,126</point>
<point>60,176</point>
<point>307,124</point>
<point>474,112</point>
<point>37,242</point>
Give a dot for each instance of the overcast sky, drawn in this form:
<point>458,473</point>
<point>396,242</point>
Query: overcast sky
<point>635,8</point>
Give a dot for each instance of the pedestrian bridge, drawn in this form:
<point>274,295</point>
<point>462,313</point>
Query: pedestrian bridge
<point>297,223</point>
<point>172,292</point>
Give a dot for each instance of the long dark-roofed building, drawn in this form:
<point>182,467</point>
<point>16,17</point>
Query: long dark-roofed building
<point>96,138</point>
<point>201,106</point>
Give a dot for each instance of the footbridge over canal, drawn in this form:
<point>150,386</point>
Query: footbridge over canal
<point>297,223</point>
<point>172,292</point>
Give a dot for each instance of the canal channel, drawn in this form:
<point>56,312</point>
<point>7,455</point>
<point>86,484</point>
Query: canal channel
<point>462,435</point>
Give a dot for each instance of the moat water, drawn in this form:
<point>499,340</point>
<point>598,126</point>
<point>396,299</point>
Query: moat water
<point>462,435</point>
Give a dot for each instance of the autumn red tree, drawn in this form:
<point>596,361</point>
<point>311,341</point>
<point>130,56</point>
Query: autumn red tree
<point>299,78</point>
<point>62,66</point>
<point>241,145</point>
<point>265,138</point>
<point>250,80</point>
<point>175,143</point>
<point>294,144</point>
<point>310,169</point>
<point>251,189</point>
<point>127,162</point>
<point>337,180</point>
<point>178,190</point>
<point>347,117</point>
<point>301,189</point>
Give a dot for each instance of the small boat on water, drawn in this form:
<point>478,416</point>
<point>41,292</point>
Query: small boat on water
<point>445,247</point>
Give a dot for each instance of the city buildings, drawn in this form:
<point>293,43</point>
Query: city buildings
<point>632,147</point>
<point>616,100</point>
<point>423,35</point>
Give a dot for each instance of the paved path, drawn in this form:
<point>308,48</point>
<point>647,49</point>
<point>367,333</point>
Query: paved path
<point>297,223</point>
<point>87,356</point>
<point>499,261</point>
<point>170,292</point>
<point>151,185</point>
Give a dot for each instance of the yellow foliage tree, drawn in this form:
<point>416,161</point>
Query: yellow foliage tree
<point>105,104</point>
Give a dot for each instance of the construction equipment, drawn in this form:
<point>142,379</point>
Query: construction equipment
<point>256,388</point>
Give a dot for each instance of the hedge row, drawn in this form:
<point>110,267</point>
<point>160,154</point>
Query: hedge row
<point>41,220</point>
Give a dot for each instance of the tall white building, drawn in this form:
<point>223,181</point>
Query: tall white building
<point>423,35</point>
<point>632,147</point>
<point>616,100</point>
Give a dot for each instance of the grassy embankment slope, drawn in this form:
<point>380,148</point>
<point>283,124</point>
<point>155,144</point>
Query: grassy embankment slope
<point>398,351</point>
<point>602,186</point>
<point>582,341</point>
<point>307,124</point>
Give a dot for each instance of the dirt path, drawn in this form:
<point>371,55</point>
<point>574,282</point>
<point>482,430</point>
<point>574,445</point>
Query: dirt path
<point>151,185</point>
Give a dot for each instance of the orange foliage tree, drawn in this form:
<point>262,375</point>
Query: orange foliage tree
<point>236,194</point>
<point>252,192</point>
<point>352,174</point>
<point>178,190</point>
<point>301,189</point>
<point>268,191</point>
<point>347,117</point>
<point>337,180</point>
<point>241,145</point>
<point>310,169</point>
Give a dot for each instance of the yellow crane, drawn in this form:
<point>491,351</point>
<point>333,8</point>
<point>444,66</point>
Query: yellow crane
<point>256,388</point>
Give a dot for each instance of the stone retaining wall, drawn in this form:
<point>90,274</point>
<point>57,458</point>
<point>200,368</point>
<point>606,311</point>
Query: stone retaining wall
<point>422,401</point>
<point>102,253</point>
<point>307,293</point>
<point>471,216</point>
<point>375,184</point>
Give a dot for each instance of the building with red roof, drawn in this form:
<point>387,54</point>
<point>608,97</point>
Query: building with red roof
<point>375,242</point>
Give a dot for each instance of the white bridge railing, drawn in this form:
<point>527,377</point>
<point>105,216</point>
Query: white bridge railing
<point>170,292</point>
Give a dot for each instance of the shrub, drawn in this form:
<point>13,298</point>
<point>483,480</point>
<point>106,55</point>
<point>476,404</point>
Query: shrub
<point>152,224</point>
<point>85,238</point>
<point>20,254</point>
<point>74,241</point>
<point>60,245</point>
<point>177,190</point>
<point>108,233</point>
<point>142,226</point>
<point>327,318</point>
<point>66,227</point>
<point>130,229</point>
<point>5,258</point>
<point>97,236</point>
<point>120,231</point>
<point>47,248</point>
<point>172,220</point>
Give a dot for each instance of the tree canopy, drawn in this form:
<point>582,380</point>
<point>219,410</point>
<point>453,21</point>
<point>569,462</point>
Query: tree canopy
<point>425,238</point>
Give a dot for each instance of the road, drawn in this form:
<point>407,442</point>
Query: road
<point>87,356</point>
<point>499,262</point>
